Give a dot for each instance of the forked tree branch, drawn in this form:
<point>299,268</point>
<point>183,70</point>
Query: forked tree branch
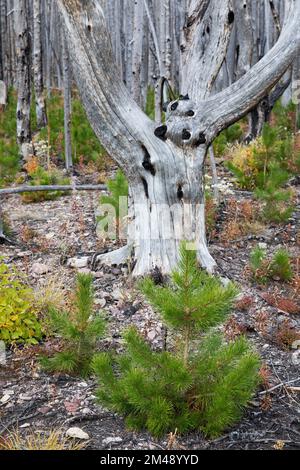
<point>116,119</point>
<point>201,122</point>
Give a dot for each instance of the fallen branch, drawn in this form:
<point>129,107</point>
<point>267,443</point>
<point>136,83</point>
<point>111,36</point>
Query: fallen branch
<point>32,189</point>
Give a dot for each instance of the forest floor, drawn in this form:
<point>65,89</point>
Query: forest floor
<point>47,234</point>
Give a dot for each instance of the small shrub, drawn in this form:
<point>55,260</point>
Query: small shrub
<point>18,319</point>
<point>79,329</point>
<point>41,177</point>
<point>280,266</point>
<point>265,269</point>
<point>191,386</point>
<point>265,166</point>
<point>286,335</point>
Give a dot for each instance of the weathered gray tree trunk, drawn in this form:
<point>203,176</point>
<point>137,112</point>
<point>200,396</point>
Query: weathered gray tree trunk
<point>3,41</point>
<point>296,87</point>
<point>137,51</point>
<point>165,166</point>
<point>3,95</point>
<point>38,66</point>
<point>23,75</point>
<point>67,104</point>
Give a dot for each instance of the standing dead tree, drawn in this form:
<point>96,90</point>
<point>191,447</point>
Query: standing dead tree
<point>165,166</point>
<point>38,66</point>
<point>21,13</point>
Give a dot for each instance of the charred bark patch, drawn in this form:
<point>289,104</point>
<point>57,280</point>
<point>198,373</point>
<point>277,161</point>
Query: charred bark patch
<point>231,17</point>
<point>180,192</point>
<point>160,132</point>
<point>148,166</point>
<point>145,184</point>
<point>201,139</point>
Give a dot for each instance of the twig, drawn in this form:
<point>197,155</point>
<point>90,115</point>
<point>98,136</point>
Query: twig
<point>293,389</point>
<point>282,384</point>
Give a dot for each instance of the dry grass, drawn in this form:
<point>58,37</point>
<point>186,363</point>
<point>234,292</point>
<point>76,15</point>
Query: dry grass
<point>241,220</point>
<point>50,293</point>
<point>38,440</point>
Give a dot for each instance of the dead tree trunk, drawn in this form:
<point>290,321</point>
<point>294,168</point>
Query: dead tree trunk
<point>165,166</point>
<point>38,67</point>
<point>137,51</point>
<point>67,104</point>
<point>3,41</point>
<point>296,87</point>
<point>23,76</point>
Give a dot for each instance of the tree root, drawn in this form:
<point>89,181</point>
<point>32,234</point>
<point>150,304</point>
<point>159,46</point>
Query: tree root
<point>113,258</point>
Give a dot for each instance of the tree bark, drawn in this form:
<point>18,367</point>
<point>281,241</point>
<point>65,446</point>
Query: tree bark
<point>38,67</point>
<point>23,75</point>
<point>137,52</point>
<point>3,41</point>
<point>67,104</point>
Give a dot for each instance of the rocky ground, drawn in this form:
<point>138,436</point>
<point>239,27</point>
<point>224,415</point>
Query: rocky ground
<point>47,234</point>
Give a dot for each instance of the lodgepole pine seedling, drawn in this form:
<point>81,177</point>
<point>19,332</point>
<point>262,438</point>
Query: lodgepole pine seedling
<point>80,330</point>
<point>199,384</point>
<point>265,269</point>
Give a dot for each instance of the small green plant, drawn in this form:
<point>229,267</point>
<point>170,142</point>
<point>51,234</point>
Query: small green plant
<point>278,207</point>
<point>79,329</point>
<point>19,323</point>
<point>228,136</point>
<point>265,269</point>
<point>118,188</point>
<point>280,266</point>
<point>198,384</point>
<point>42,177</point>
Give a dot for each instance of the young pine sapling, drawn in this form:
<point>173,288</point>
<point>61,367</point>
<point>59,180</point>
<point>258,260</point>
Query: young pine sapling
<point>80,330</point>
<point>201,382</point>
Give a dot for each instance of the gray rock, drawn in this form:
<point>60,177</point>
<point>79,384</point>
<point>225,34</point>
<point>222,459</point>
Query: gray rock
<point>2,353</point>
<point>39,269</point>
<point>111,440</point>
<point>77,433</point>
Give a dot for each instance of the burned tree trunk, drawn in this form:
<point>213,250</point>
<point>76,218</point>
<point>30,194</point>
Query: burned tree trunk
<point>23,76</point>
<point>38,66</point>
<point>165,166</point>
